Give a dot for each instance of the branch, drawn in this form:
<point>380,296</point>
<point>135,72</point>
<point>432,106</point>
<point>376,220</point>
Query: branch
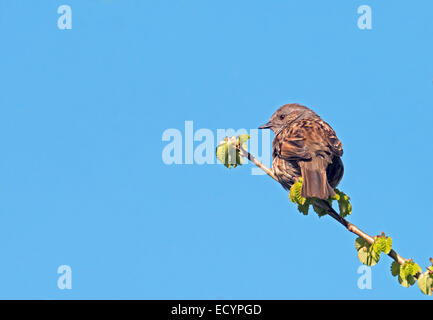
<point>349,226</point>
<point>232,150</point>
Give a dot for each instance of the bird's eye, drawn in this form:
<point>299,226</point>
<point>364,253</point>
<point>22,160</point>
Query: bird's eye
<point>282,117</point>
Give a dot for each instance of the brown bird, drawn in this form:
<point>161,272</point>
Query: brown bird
<point>305,146</point>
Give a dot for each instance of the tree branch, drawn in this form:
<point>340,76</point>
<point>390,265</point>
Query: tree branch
<point>349,226</point>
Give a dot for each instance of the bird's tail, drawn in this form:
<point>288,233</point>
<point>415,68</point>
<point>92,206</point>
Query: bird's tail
<point>314,180</point>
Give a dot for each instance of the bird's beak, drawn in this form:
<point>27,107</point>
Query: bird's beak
<point>266,126</point>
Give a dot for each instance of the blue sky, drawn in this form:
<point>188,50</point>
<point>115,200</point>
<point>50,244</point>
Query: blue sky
<point>82,112</point>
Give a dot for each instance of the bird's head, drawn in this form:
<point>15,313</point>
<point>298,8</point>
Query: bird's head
<point>286,115</point>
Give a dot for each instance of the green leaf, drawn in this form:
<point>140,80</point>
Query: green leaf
<point>295,197</point>
<point>303,203</point>
<point>410,268</point>
<point>407,282</point>
<point>344,204</point>
<point>425,283</point>
<point>295,193</point>
<point>243,138</point>
<point>228,154</point>
<point>232,155</point>
<point>336,196</point>
<point>388,246</point>
<point>222,153</point>
<point>320,212</point>
<point>407,273</point>
<point>382,244</point>
<point>303,208</point>
<point>360,242</point>
<point>395,268</point>
<point>366,254</point>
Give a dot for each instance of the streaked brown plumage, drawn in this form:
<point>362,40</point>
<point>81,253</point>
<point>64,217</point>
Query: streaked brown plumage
<point>305,146</point>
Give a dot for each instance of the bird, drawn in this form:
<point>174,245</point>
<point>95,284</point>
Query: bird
<point>306,147</point>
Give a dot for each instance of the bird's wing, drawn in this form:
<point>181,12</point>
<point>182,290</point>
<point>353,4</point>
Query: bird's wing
<point>334,143</point>
<point>306,138</point>
<point>290,145</point>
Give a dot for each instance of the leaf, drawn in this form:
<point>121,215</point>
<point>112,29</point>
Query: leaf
<point>295,193</point>
<point>407,272</point>
<point>303,203</point>
<point>388,245</point>
<point>344,204</point>
<point>228,154</point>
<point>425,283</point>
<point>222,153</point>
<point>336,196</point>
<point>361,242</point>
<point>232,154</point>
<point>368,256</point>
<point>382,244</point>
<point>410,268</point>
<point>320,211</point>
<point>303,208</point>
<point>295,197</point>
<point>395,268</point>
<point>407,282</point>
<point>243,138</point>
<point>379,245</point>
